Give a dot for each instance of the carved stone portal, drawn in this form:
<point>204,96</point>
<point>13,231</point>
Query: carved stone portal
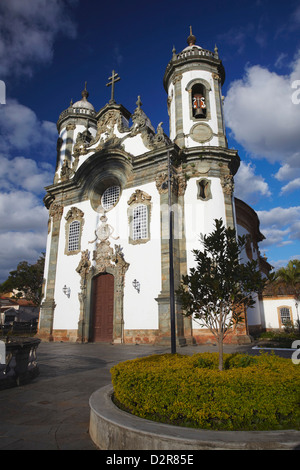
<point>107,260</point>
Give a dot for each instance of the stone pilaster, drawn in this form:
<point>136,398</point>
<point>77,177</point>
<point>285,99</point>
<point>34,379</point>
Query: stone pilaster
<point>227,184</point>
<point>183,326</point>
<point>220,117</point>
<point>48,305</point>
<point>179,137</point>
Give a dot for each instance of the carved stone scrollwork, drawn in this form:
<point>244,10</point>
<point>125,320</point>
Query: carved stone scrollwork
<point>142,125</point>
<point>66,172</point>
<point>139,197</point>
<point>161,181</point>
<point>227,183</point>
<point>105,135</point>
<point>181,182</point>
<point>178,183</point>
<point>83,267</point>
<point>103,256</point>
<point>56,211</point>
<point>73,214</point>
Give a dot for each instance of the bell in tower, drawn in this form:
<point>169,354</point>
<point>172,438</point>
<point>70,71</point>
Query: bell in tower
<point>198,102</point>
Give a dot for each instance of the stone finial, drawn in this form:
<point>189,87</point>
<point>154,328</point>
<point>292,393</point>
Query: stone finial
<point>85,93</point>
<point>216,52</point>
<point>191,40</point>
<point>139,102</point>
<point>174,55</point>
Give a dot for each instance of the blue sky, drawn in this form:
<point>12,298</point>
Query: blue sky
<point>49,48</point>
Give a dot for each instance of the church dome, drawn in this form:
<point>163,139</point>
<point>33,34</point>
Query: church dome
<point>84,103</point>
<point>82,108</point>
<point>192,47</point>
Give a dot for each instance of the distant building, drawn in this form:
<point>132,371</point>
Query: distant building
<point>280,307</point>
<point>107,257</point>
<point>19,310</point>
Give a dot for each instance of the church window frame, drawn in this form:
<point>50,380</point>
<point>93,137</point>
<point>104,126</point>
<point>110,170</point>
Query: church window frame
<point>192,87</point>
<point>204,189</point>
<point>139,216</point>
<point>73,231</point>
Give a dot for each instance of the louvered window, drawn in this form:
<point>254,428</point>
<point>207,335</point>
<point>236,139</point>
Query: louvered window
<point>74,233</point>
<point>110,197</point>
<point>140,222</point>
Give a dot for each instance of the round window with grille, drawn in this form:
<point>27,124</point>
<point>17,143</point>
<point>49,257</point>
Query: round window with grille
<point>110,197</point>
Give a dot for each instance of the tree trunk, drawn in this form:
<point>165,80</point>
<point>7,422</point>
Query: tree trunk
<point>220,347</point>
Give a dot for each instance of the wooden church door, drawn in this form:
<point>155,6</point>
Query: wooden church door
<point>103,308</point>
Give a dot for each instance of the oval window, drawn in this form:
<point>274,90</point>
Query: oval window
<point>110,197</point>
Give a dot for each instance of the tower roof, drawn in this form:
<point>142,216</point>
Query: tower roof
<point>82,108</point>
<point>193,54</point>
<point>84,103</point>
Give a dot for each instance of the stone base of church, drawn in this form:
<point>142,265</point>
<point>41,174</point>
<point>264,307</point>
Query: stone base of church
<point>140,336</point>
<point>154,337</point>
<point>70,336</point>
<point>44,335</point>
<point>151,336</point>
<point>206,337</point>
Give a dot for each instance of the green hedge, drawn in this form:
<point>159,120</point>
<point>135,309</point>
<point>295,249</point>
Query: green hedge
<point>251,393</point>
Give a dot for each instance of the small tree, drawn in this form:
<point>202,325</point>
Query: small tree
<point>27,280</point>
<point>217,291</point>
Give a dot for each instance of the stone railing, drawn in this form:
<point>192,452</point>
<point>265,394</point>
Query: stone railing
<point>76,112</point>
<point>196,52</point>
<point>20,361</point>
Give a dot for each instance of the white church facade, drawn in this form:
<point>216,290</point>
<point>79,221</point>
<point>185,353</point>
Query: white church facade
<point>107,254</point>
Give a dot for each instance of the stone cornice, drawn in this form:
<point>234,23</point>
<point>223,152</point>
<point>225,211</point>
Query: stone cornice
<point>145,166</point>
<point>224,155</point>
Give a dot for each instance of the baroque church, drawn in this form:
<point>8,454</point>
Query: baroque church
<point>107,264</point>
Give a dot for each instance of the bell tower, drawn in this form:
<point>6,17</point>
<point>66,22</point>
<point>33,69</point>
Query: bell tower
<point>193,81</point>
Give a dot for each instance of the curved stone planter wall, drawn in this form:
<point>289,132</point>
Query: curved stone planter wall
<point>113,429</point>
<point>21,361</point>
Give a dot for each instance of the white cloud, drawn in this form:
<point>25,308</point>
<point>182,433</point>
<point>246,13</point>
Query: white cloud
<point>22,211</point>
<point>21,128</point>
<point>287,172</point>
<point>281,226</point>
<point>23,227</point>
<point>28,31</point>
<point>291,186</point>
<point>19,246</point>
<point>249,186</point>
<point>25,173</point>
<point>261,115</point>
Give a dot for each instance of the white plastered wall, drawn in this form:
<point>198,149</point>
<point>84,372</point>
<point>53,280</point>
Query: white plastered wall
<point>66,313</point>
<point>200,216</point>
<point>140,309</point>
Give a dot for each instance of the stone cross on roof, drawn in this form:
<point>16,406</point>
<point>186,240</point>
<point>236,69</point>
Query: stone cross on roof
<point>114,78</point>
